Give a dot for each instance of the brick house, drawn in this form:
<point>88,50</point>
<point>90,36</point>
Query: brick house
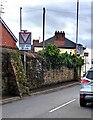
<point>59,40</point>
<point>7,38</point>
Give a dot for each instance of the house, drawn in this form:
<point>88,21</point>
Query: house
<point>7,38</point>
<point>59,40</point>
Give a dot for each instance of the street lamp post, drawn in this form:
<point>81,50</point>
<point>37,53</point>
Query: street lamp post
<point>77,25</point>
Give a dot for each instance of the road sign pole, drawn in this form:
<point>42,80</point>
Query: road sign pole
<point>85,64</point>
<point>24,61</point>
<point>21,30</point>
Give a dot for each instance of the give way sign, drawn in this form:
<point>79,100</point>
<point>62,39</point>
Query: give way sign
<point>25,40</point>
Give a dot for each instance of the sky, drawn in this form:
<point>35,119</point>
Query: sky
<point>60,15</point>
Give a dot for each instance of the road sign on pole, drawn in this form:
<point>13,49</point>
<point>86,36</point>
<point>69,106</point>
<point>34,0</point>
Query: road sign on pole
<point>79,49</point>
<point>86,54</point>
<point>24,40</point>
<point>92,61</point>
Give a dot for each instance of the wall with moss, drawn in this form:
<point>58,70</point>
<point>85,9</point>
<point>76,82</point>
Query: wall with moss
<point>15,81</point>
<point>34,72</point>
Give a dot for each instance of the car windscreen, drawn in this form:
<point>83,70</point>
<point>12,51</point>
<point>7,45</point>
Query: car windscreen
<point>89,75</point>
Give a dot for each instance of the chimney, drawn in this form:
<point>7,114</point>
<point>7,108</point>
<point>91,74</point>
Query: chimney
<point>35,42</point>
<point>60,36</point>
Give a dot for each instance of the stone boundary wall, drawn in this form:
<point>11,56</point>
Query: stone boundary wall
<point>55,76</point>
<point>36,75</point>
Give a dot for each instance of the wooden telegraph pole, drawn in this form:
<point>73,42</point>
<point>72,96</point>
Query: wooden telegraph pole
<point>43,27</point>
<point>20,18</point>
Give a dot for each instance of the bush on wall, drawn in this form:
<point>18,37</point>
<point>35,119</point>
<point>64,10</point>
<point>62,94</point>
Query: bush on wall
<point>55,59</point>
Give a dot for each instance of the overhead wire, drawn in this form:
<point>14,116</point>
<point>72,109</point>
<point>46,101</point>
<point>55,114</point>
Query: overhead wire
<point>56,11</point>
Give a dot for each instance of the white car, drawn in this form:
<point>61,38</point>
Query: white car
<point>86,90</point>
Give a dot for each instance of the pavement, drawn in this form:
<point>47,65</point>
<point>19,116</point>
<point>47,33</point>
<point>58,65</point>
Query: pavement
<point>39,92</point>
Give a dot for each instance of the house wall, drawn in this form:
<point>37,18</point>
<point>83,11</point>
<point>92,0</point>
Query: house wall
<point>36,49</point>
<point>6,39</point>
<point>0,34</point>
<point>67,50</point>
<point>62,50</point>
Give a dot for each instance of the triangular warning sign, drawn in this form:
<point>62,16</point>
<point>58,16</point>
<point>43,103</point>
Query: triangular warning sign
<point>25,36</point>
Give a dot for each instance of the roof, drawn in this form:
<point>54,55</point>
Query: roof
<point>7,28</point>
<point>68,43</point>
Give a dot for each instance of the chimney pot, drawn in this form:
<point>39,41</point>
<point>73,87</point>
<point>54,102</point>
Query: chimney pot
<point>35,42</point>
<point>60,35</point>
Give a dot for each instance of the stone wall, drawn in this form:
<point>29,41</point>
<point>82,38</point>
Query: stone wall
<point>9,84</point>
<point>55,76</point>
<point>16,82</point>
<point>34,72</point>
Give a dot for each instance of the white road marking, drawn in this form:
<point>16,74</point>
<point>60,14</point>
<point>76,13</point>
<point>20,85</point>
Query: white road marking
<point>62,105</point>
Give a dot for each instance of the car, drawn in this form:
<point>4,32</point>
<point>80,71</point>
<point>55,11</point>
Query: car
<point>86,89</point>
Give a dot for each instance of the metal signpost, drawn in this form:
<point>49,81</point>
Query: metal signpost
<point>85,55</point>
<point>24,39</point>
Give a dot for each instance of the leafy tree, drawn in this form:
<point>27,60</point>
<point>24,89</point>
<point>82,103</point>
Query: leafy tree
<point>55,59</point>
<point>51,54</point>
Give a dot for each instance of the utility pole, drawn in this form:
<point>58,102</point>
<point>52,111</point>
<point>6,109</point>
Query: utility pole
<point>20,31</point>
<point>20,18</point>
<point>77,25</point>
<point>43,27</point>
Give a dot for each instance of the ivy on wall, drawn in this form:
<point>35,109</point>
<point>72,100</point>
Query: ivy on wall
<point>36,68</point>
<point>21,79</point>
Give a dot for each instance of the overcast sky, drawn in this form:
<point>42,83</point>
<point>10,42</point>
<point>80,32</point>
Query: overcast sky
<point>60,15</point>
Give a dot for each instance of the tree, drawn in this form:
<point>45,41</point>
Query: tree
<point>55,59</point>
<point>51,54</point>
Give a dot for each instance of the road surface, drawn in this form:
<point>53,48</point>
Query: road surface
<point>60,104</point>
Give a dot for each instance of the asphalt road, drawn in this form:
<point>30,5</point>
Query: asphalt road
<point>60,104</point>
